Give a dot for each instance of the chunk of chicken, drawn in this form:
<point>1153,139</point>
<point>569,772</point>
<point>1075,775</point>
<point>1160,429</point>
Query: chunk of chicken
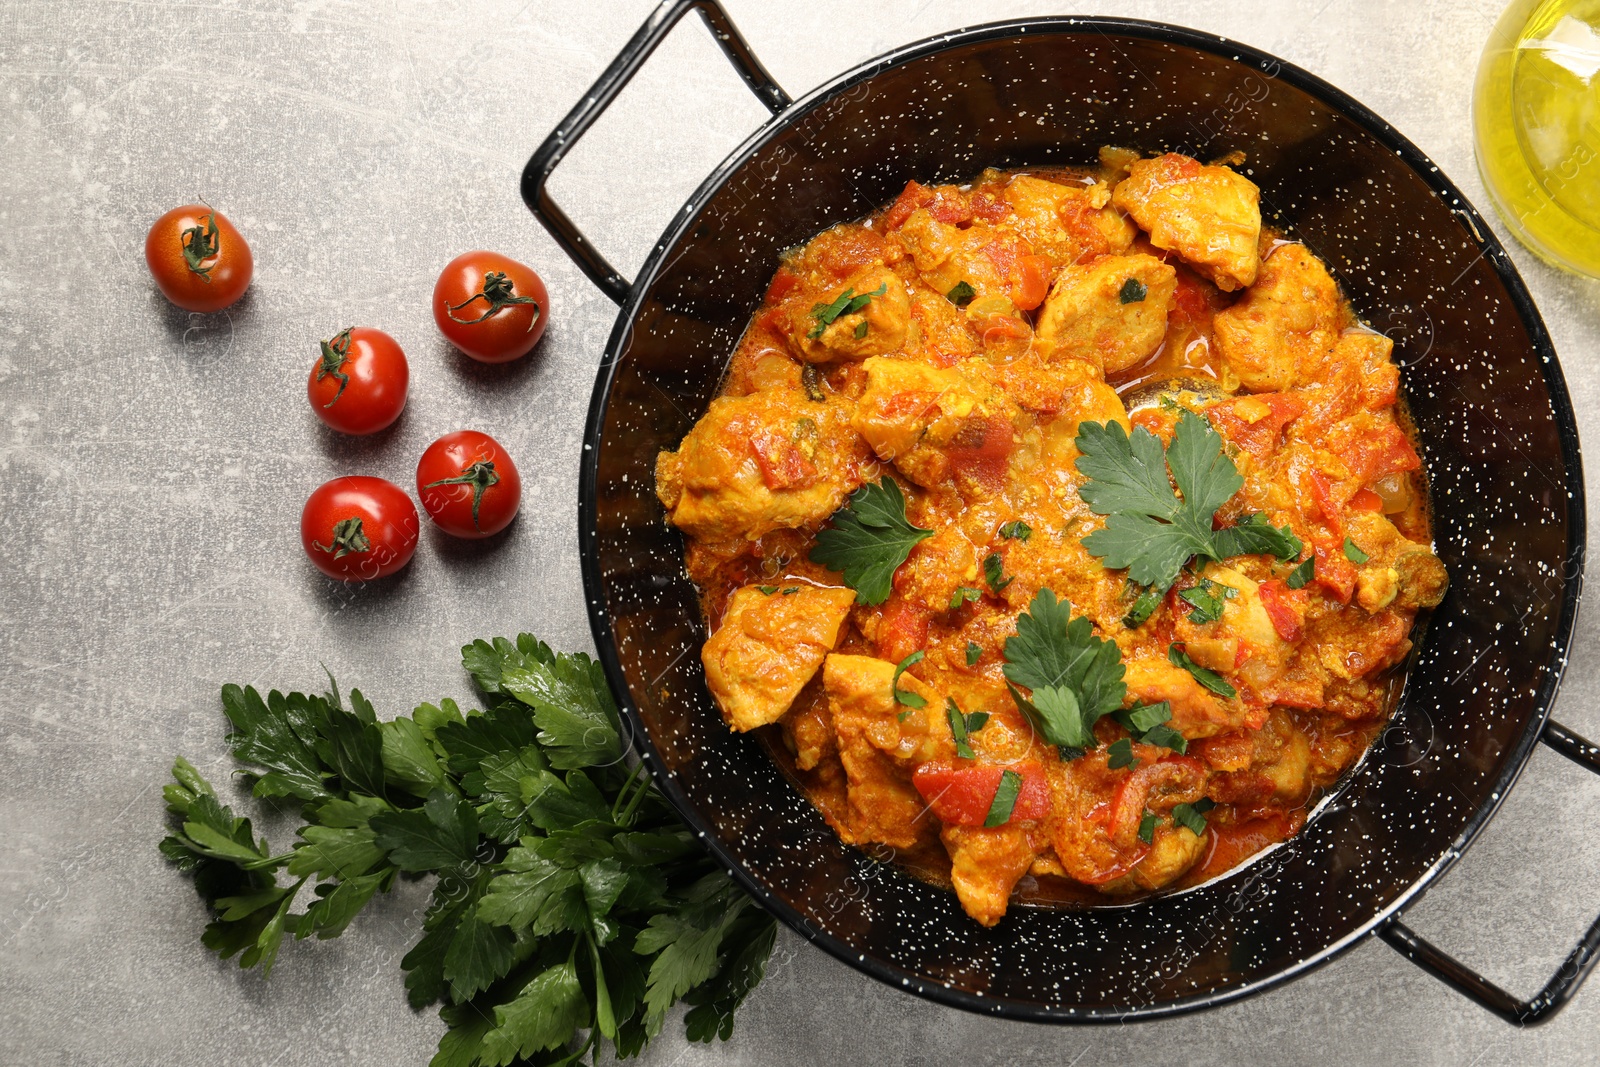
<point>1173,851</point>
<point>1068,223</point>
<point>1210,216</point>
<point>878,749</point>
<point>947,255</point>
<point>768,646</point>
<point>905,402</point>
<point>985,865</point>
<point>761,462</point>
<point>1244,643</point>
<point>1284,324</point>
<point>861,697</point>
<point>836,329</point>
<point>1196,711</point>
<point>1111,312</point>
<point>1398,571</point>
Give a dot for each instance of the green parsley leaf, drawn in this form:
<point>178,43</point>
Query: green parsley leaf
<point>1147,828</point>
<point>1144,606</point>
<point>478,955</point>
<point>1253,534</point>
<point>1192,817</point>
<point>1207,600</point>
<point>993,572</point>
<point>974,653</point>
<point>861,329</point>
<point>767,590</point>
<point>442,833</point>
<point>961,294</point>
<point>905,696</point>
<point>1057,716</point>
<point>1144,717</point>
<point>1132,292</point>
<point>1353,553</point>
<point>716,999</point>
<point>544,1015</point>
<point>1119,754</point>
<point>1166,737</point>
<point>1005,798</point>
<point>846,303</point>
<point>271,735</point>
<point>869,538</point>
<point>1016,530</point>
<point>962,726</point>
<point>687,944</point>
<point>1148,723</point>
<point>963,594</point>
<point>1302,574</point>
<point>572,706</point>
<point>408,758</point>
<point>1208,678</point>
<point>1075,677</point>
<point>1150,530</point>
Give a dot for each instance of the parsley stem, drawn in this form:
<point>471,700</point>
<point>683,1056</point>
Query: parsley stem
<point>638,795</point>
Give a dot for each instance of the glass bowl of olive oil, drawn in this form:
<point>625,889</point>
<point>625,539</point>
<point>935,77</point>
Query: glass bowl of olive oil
<point>1536,128</point>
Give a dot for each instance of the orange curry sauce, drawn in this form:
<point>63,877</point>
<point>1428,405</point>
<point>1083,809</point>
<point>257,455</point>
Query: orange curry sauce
<point>1002,314</point>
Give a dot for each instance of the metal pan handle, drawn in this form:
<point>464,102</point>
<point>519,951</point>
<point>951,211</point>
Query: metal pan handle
<point>1574,969</point>
<point>599,97</point>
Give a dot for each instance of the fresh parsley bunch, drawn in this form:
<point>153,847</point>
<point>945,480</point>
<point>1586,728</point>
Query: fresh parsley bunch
<point>572,907</point>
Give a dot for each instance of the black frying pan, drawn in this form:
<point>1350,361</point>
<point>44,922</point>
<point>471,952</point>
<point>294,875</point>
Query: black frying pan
<point>1492,412</point>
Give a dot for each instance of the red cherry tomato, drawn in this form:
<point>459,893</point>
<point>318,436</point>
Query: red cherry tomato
<point>492,308</point>
<point>468,484</point>
<point>198,258</point>
<point>359,384</point>
<point>358,528</point>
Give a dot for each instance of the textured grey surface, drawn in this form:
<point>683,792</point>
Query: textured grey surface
<point>152,465</point>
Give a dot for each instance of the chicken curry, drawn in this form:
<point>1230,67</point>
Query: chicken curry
<point>1060,525</point>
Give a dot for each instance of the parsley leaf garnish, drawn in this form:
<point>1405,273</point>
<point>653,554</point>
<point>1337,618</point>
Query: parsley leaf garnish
<point>1151,531</point>
<point>1119,754</point>
<point>1302,574</point>
<point>1353,553</point>
<point>905,696</point>
<point>1147,827</point>
<point>1144,606</point>
<point>963,594</point>
<point>1074,677</point>
<point>1148,724</point>
<point>1132,292</point>
<point>846,303</point>
<point>569,897</point>
<point>1016,530</point>
<point>1253,534</point>
<point>1208,678</point>
<point>869,538</point>
<point>974,653</point>
<point>962,726</point>
<point>1207,600</point>
<point>994,571</point>
<point>1192,817</point>
<point>961,294</point>
<point>1005,798</point>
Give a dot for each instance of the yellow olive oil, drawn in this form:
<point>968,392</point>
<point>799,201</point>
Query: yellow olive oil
<point>1536,128</point>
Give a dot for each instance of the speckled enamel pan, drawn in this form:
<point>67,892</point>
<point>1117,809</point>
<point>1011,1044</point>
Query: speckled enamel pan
<point>1491,408</point>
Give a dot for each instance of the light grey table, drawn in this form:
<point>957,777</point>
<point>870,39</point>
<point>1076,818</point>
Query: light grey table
<point>152,466</point>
